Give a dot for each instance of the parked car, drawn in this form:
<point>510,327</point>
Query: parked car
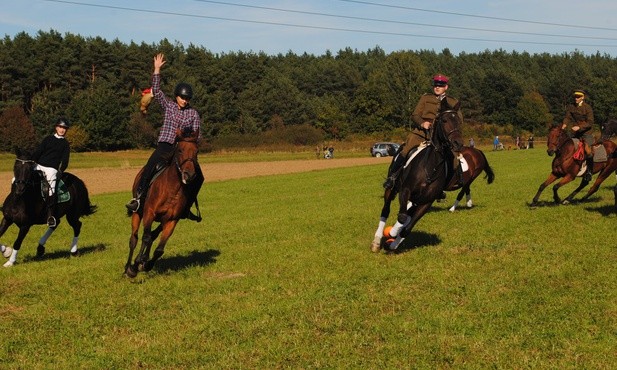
<point>384,149</point>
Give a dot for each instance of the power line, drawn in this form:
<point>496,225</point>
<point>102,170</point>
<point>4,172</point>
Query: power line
<point>478,16</point>
<point>403,22</point>
<point>324,27</point>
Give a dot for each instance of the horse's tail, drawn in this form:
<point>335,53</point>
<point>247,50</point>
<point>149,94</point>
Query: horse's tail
<point>86,208</point>
<point>490,175</point>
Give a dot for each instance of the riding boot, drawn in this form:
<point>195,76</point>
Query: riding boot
<point>589,172</point>
<point>51,210</point>
<point>395,169</point>
<point>134,204</point>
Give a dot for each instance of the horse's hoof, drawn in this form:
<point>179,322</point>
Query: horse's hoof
<point>40,251</point>
<point>148,266</point>
<point>7,252</point>
<point>140,267</point>
<point>75,254</point>
<point>8,264</point>
<point>129,272</point>
<point>375,247</point>
<point>565,202</point>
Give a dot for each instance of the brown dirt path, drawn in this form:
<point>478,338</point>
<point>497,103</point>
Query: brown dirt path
<point>110,180</point>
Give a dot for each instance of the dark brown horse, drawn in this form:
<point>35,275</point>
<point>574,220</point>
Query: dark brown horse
<point>25,205</point>
<point>476,163</point>
<point>168,199</point>
<point>424,177</point>
<point>567,168</point>
<point>609,129</point>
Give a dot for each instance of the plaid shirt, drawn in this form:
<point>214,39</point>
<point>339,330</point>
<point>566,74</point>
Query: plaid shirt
<point>174,117</point>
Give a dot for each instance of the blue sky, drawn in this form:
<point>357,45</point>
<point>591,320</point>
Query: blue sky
<point>317,26</point>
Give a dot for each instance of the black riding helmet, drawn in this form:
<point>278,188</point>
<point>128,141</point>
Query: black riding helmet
<point>63,122</point>
<point>184,90</point>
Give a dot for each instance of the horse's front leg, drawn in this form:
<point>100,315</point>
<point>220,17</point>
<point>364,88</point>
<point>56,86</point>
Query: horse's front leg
<point>23,231</point>
<point>389,195</point>
<point>567,179</point>
<point>4,249</point>
<point>128,268</point>
<point>167,230</point>
<point>416,214</point>
<point>551,178</point>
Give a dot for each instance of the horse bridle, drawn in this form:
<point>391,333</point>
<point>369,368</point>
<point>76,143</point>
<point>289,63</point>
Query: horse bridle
<point>448,134</point>
<point>25,182</point>
<point>180,164</point>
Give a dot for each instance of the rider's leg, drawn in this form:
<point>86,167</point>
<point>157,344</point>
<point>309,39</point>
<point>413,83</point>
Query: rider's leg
<point>588,142</point>
<point>411,144</point>
<point>160,154</point>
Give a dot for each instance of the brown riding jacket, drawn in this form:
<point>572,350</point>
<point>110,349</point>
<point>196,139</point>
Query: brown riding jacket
<point>428,107</point>
<point>580,115</point>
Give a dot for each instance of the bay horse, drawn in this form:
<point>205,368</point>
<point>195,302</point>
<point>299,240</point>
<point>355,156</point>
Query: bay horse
<point>565,167</point>
<point>477,163</point>
<point>25,206</point>
<point>423,178</point>
<point>609,129</point>
<point>166,202</point>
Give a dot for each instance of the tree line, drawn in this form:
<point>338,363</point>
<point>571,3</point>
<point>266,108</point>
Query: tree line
<point>97,84</point>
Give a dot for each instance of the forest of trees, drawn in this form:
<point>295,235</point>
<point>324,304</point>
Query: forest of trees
<point>97,84</point>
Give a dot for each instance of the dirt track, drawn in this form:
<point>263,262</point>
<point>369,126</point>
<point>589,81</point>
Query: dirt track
<point>110,180</point>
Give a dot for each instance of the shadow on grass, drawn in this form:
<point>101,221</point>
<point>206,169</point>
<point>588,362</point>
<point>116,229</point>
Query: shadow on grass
<point>606,210</point>
<point>67,253</point>
<point>416,239</point>
<point>195,258</point>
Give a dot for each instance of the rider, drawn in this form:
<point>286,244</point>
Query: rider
<point>423,116</point>
<point>580,116</point>
<point>177,114</point>
<point>51,157</point>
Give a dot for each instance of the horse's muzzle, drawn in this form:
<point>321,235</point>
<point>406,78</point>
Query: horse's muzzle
<point>550,152</point>
<point>188,176</point>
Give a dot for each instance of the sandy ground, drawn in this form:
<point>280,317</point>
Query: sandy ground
<point>110,180</point>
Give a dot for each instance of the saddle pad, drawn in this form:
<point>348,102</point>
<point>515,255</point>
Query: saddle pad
<point>63,192</point>
<point>464,164</point>
<point>599,154</point>
<point>422,145</point>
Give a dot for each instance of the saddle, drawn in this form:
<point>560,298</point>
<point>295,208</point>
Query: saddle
<point>599,151</point>
<point>62,192</point>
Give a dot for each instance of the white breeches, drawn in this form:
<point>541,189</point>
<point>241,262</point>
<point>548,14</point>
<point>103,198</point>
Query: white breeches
<point>50,175</point>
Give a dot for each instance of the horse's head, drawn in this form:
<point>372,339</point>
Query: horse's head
<point>556,137</point>
<point>23,171</point>
<point>185,157</point>
<point>609,129</point>
<point>447,129</point>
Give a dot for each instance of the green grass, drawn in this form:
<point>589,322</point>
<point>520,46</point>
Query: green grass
<point>280,275</point>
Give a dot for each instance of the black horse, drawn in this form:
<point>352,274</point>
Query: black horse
<point>425,176</point>
<point>25,205</point>
<point>609,129</point>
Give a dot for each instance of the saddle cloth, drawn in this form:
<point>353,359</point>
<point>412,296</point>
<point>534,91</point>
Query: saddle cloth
<point>599,151</point>
<point>462,160</point>
<point>63,192</point>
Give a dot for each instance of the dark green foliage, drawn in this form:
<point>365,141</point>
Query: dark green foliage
<point>97,83</point>
<point>16,130</point>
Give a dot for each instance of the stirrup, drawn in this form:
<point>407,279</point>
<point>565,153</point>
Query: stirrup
<point>51,221</point>
<point>133,204</point>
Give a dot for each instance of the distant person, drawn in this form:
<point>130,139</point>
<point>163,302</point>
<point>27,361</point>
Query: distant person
<point>52,157</point>
<point>496,143</point>
<point>178,113</point>
<point>423,117</point>
<point>472,143</point>
<point>579,117</point>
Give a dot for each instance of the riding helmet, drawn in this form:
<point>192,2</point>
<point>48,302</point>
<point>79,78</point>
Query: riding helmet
<point>63,122</point>
<point>184,90</point>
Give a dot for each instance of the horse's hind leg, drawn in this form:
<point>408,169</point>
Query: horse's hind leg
<point>604,174</point>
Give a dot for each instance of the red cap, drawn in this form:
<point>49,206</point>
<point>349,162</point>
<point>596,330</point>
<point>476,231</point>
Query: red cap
<point>440,80</point>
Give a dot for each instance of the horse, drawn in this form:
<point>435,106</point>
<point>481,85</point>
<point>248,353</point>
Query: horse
<point>609,129</point>
<point>25,206</point>
<point>477,163</point>
<point>424,177</point>
<point>567,168</point>
<point>166,202</point>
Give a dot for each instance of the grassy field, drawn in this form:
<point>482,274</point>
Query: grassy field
<point>280,275</point>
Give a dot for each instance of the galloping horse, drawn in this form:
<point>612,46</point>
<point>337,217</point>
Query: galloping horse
<point>609,129</point>
<point>566,167</point>
<point>167,201</point>
<point>477,162</point>
<point>424,177</point>
<point>25,205</point>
